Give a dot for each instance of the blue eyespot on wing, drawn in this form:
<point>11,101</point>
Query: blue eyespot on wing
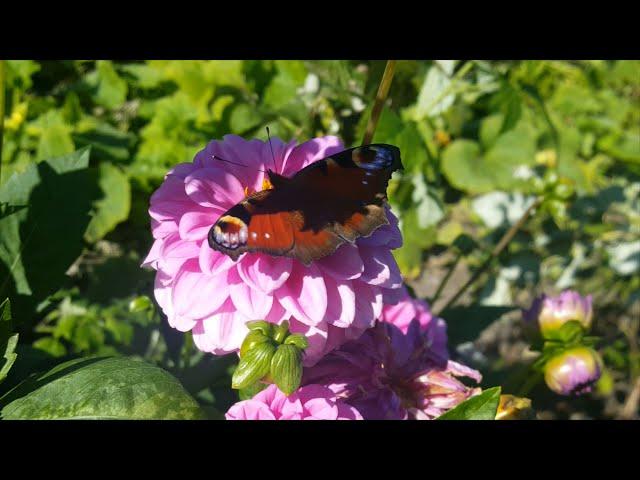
<point>377,157</point>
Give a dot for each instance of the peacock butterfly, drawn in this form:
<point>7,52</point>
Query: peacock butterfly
<point>308,216</point>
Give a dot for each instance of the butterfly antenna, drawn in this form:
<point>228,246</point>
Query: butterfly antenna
<point>271,148</point>
<point>216,157</point>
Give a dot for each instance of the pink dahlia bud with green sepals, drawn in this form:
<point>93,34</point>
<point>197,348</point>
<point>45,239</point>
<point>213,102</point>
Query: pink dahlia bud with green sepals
<point>573,372</point>
<point>547,314</point>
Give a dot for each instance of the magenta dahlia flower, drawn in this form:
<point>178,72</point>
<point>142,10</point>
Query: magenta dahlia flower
<point>331,301</point>
<point>549,313</point>
<point>313,402</point>
<point>397,370</point>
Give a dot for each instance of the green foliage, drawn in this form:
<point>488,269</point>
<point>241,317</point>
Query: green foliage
<point>479,140</point>
<point>8,342</point>
<point>101,388</point>
<point>480,407</point>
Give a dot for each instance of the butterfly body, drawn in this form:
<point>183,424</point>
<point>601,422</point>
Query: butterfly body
<point>308,216</point>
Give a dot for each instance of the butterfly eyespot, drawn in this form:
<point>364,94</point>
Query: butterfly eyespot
<point>372,157</point>
<point>230,232</point>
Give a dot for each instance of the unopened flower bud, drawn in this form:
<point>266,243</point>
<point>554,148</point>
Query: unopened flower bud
<point>548,314</point>
<point>574,371</point>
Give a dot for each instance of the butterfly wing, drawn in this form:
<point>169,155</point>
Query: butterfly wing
<point>308,216</point>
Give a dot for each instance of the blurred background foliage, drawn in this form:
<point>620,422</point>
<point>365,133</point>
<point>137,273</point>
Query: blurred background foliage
<point>476,137</point>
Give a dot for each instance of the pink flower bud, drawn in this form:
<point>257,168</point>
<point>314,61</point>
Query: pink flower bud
<point>574,371</point>
<point>548,314</point>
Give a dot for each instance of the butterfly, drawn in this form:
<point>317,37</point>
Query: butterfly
<point>309,215</point>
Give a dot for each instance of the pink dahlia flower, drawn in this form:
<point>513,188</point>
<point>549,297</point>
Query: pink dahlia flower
<point>331,301</point>
<point>397,370</point>
<point>313,402</point>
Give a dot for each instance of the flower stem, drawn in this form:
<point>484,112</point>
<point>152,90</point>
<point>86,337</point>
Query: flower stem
<point>502,244</point>
<point>2,82</point>
<point>381,96</point>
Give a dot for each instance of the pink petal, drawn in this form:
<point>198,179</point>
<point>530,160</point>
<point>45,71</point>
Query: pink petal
<point>222,332</point>
<point>316,336</point>
<point>368,305</point>
<point>214,188</point>
<point>264,272</point>
<point>153,255</point>
<point>250,302</point>
<point>341,302</point>
<point>249,410</point>
<point>212,262</point>
<point>304,294</point>
<point>163,229</point>
<point>196,295</point>
<point>345,263</point>
<point>380,268</point>
<point>309,152</point>
<point>196,225</point>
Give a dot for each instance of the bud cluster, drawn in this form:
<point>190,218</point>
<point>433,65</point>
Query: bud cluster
<point>570,364</point>
<point>270,354</point>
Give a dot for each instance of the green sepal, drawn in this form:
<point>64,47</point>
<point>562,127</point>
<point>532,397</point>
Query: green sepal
<point>298,340</point>
<point>286,368</point>
<point>253,366</point>
<point>253,338</point>
<point>262,326</point>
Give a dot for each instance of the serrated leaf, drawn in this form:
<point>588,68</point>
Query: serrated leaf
<point>480,407</point>
<point>101,388</point>
<point>115,204</point>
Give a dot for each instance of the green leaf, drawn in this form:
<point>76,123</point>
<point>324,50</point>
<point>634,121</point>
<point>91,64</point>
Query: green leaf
<point>101,388</point>
<point>39,243</point>
<point>480,407</point>
<point>8,342</point>
<point>114,207</point>
<point>112,90</point>
<point>435,95</point>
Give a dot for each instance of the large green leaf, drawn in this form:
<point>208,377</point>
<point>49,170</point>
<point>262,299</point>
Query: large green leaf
<point>101,388</point>
<point>500,167</point>
<point>480,407</point>
<point>8,342</point>
<point>111,89</point>
<point>39,242</point>
<point>114,207</point>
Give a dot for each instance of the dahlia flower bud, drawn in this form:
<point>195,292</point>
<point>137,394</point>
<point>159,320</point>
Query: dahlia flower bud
<point>573,372</point>
<point>514,408</point>
<point>548,314</point>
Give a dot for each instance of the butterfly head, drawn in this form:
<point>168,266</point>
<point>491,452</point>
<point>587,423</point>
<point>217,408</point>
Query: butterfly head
<point>377,156</point>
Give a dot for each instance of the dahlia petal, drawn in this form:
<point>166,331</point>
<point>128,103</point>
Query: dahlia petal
<point>341,302</point>
<point>163,229</point>
<point>309,152</point>
<point>153,255</point>
<point>345,263</point>
<point>214,188</point>
<point>368,305</point>
<point>264,272</point>
<point>196,225</point>
<point>212,262</point>
<point>222,332</point>
<point>249,410</point>
<point>316,337</point>
<point>197,295</point>
<point>304,295</point>
<point>380,268</point>
<point>250,302</point>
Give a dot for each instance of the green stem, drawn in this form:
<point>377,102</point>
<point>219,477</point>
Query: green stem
<point>502,244</point>
<point>2,82</point>
<point>381,96</point>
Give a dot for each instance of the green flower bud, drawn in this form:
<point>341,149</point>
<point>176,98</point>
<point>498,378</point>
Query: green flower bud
<point>286,368</point>
<point>253,338</point>
<point>298,340</point>
<point>262,326</point>
<point>563,189</point>
<point>253,366</point>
